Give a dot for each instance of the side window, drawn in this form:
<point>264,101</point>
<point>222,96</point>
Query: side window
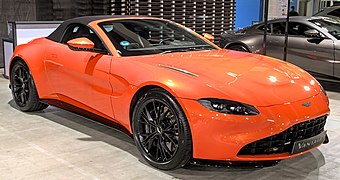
<point>269,28</point>
<point>279,28</point>
<point>335,13</point>
<point>72,32</point>
<point>297,29</point>
<point>78,31</point>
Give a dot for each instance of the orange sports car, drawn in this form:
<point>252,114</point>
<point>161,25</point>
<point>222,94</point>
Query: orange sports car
<point>177,93</point>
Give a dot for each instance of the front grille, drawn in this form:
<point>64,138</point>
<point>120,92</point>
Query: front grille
<point>284,141</point>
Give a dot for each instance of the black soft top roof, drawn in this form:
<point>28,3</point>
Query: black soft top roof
<point>85,20</point>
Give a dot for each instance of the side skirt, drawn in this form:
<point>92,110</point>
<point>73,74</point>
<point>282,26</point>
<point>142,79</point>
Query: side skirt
<point>82,112</point>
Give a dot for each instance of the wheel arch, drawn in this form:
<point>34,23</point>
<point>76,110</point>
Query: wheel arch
<point>227,46</point>
<point>141,91</point>
<point>145,88</point>
<point>14,60</point>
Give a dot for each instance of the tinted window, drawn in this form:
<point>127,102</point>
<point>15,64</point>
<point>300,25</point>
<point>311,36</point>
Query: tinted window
<point>269,28</point>
<point>141,37</point>
<point>279,28</point>
<point>332,26</point>
<point>295,29</point>
<point>335,13</point>
<point>77,31</point>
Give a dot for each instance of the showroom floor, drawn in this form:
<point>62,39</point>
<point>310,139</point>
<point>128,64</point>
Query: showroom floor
<point>56,144</point>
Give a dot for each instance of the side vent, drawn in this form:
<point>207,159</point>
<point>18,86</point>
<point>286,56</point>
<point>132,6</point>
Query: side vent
<point>178,70</point>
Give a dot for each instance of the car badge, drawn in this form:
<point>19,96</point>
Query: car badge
<point>307,104</point>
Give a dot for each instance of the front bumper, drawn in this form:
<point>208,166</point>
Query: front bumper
<point>218,136</point>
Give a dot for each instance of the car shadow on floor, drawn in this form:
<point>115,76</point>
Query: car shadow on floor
<point>306,165</point>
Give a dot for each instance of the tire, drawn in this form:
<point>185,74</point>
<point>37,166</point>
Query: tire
<point>23,88</point>
<point>161,130</point>
<point>238,48</point>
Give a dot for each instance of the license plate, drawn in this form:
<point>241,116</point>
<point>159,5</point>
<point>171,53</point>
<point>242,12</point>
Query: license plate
<point>305,144</point>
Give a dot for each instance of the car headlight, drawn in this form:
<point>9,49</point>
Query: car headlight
<point>228,107</point>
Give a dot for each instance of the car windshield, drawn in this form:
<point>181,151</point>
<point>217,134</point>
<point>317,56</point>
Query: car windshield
<point>132,37</point>
<point>332,26</point>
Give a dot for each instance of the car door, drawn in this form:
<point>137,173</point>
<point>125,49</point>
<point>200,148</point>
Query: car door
<point>315,54</point>
<point>275,40</point>
<point>80,77</point>
<point>337,59</point>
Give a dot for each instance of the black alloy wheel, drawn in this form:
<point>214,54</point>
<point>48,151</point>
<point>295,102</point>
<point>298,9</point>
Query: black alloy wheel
<point>161,131</point>
<point>21,86</point>
<point>23,89</point>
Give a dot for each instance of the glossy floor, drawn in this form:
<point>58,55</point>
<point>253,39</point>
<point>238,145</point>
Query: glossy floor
<point>56,144</point>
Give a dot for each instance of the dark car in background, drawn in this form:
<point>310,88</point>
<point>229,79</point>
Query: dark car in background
<point>313,43</point>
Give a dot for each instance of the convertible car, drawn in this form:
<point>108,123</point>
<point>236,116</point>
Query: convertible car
<point>179,95</point>
<point>313,43</point>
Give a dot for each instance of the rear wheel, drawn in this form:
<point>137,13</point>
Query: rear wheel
<point>238,47</point>
<point>23,88</point>
<point>161,130</point>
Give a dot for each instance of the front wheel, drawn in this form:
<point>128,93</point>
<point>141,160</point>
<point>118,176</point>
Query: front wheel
<point>23,88</point>
<point>161,130</point>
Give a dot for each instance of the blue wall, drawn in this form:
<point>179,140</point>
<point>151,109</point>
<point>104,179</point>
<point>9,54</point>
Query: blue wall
<point>247,11</point>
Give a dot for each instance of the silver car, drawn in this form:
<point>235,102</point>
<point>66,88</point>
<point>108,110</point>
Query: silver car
<point>313,43</point>
<point>333,12</point>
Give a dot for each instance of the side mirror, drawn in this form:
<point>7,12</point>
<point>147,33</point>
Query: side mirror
<point>209,37</point>
<point>81,43</point>
<point>312,33</point>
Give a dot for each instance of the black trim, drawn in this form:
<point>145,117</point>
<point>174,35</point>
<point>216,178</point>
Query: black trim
<point>237,164</point>
<point>82,112</point>
<point>284,142</point>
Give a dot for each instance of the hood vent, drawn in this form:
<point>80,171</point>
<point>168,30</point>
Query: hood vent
<point>178,70</point>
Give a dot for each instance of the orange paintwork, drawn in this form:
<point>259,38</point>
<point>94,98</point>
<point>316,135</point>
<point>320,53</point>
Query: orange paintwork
<point>81,43</point>
<point>106,84</point>
<point>209,37</point>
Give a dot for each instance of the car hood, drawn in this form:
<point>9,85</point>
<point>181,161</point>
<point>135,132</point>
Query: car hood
<point>249,78</point>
